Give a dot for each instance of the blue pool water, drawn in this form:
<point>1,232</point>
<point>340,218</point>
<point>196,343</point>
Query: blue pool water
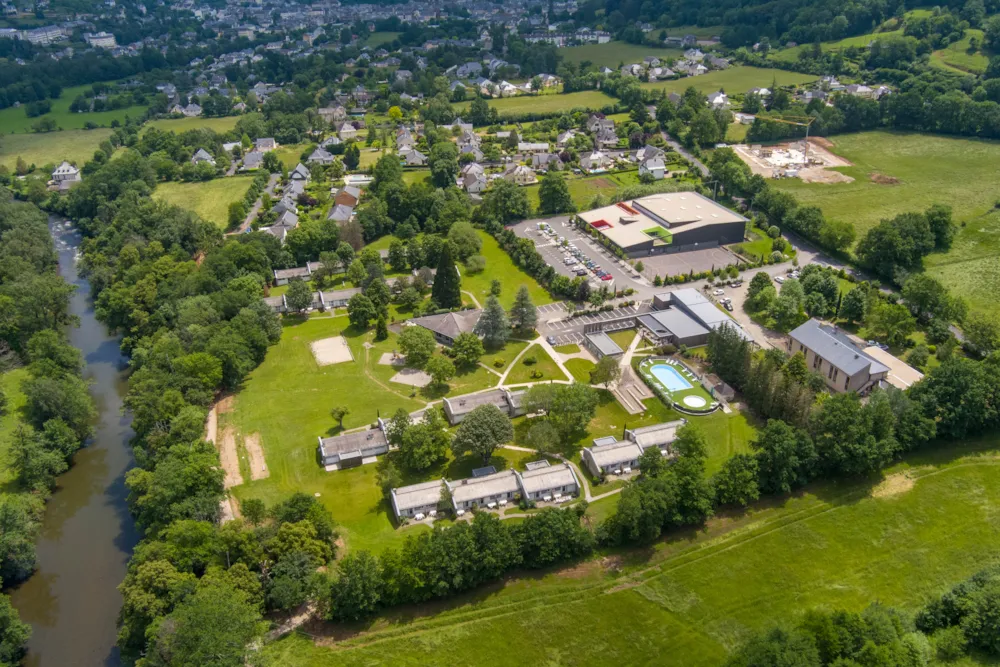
<point>670,377</point>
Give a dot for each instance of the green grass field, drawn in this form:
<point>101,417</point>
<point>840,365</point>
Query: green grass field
<point>860,41</point>
<point>956,57</point>
<point>51,147</point>
<point>692,598</point>
<point>544,364</point>
<point>10,386</point>
<point>614,54</point>
<point>179,125</point>
<point>736,133</point>
<point>377,39</point>
<point>584,188</point>
<point>209,199</point>
<point>733,80</point>
<point>930,169</point>
<point>500,266</point>
<point>15,120</point>
<point>580,369</point>
<point>546,104</point>
<point>290,155</point>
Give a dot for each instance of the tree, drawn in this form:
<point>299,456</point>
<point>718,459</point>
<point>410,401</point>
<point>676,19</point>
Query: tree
<point>417,344</point>
<point>381,328</point>
<point>440,369</point>
<point>424,444</point>
<point>447,291</point>
<point>357,591</point>
<point>14,634</point>
<point>785,457</point>
<point>338,412</point>
<point>237,214</point>
<point>397,255</point>
<point>388,476</point>
<point>467,348</point>
<point>543,436</point>
<point>443,163</point>
<point>361,311</point>
<point>759,282</point>
<point>253,510</point>
<point>607,372</point>
<point>736,482</point>
<point>215,626</point>
<point>523,314</point>
<point>506,202</point>
<point>496,287</point>
<point>568,407</point>
<point>464,239</point>
<point>982,333</point>
<point>854,307</point>
<point>553,194</point>
<point>891,322</point>
<point>299,296</point>
<point>481,432</point>
<point>493,324</point>
<point>352,156</point>
<point>928,299</point>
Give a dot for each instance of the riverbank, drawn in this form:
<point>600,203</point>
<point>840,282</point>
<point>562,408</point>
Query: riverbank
<point>87,537</point>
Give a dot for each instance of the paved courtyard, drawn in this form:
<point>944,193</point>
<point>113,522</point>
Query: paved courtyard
<point>685,262</point>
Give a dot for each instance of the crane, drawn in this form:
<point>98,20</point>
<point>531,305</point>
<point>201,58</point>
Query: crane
<point>800,121</point>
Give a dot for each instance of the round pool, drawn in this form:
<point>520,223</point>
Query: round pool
<point>694,401</point>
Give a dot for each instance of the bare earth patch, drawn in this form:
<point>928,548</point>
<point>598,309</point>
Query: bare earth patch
<point>823,175</point>
<point>229,458</point>
<point>258,467</point>
<point>225,405</point>
<point>894,485</point>
<point>412,377</point>
<point>333,350</point>
<point>390,359</point>
<point>882,179</point>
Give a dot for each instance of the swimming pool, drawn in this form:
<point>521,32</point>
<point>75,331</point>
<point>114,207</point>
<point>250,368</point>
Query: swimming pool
<point>670,377</point>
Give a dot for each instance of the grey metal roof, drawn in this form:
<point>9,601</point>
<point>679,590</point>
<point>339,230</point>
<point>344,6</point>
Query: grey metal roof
<point>475,488</point>
<point>656,435</point>
<point>550,477</point>
<point>615,453</point>
<point>461,405</point>
<point>334,296</point>
<point>836,348</point>
<point>417,495</point>
<point>294,272</point>
<point>676,321</point>
<point>349,443</point>
<point>604,343</point>
<point>450,324</point>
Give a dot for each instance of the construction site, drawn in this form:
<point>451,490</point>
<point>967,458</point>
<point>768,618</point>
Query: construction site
<point>809,160</point>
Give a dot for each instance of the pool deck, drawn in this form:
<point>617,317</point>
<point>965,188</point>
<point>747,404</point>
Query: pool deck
<point>675,397</point>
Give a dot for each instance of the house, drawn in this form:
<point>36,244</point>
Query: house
<point>338,298</point>
<point>283,276</point>
<point>331,141</point>
<point>718,63</point>
<point>860,90</point>
<point>320,156</point>
<point>844,365</point>
<point>346,132</point>
<point>300,173</point>
<point>653,167</point>
<point>718,100</point>
<point>520,174</point>
<point>404,139</point>
<point>201,155</point>
<point>694,55</point>
<point>474,182</point>
<point>762,93</point>
<point>286,203</point>
<point>265,144</point>
<point>252,160</point>
<point>694,304</point>
<point>660,436</point>
<point>647,152</point>
<point>341,213</point>
<point>332,114</point>
<point>417,500</point>
<point>599,122</point>
<point>349,450</point>
<point>413,158</point>
<point>457,408</point>
<point>532,147</point>
<point>190,111</point>
<point>611,456</point>
<point>563,139</point>
<point>66,173</point>
<point>601,345</point>
<point>491,490</point>
<point>595,161</point>
<point>546,161</point>
<point>348,195</point>
<point>276,303</point>
<point>471,149</point>
<point>660,73</point>
<point>606,137</point>
<point>285,223</point>
<point>651,61</point>
<point>744,118</point>
<point>543,481</point>
<point>447,326</point>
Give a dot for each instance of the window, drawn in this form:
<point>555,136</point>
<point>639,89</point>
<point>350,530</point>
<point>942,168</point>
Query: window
<point>829,373</point>
<point>847,381</point>
<point>836,372</point>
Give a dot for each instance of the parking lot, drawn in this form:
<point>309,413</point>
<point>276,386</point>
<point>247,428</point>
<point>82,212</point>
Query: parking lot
<point>554,320</point>
<point>686,262</point>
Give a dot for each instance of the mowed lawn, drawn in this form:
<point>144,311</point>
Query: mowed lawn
<point>179,125</point>
<point>691,599</point>
<point>209,199</point>
<point>550,103</point>
<point>959,172</point>
<point>15,120</point>
<point>51,147</point>
<point>614,54</point>
<point>10,385</point>
<point>584,189</point>
<point>733,80</point>
<point>500,266</point>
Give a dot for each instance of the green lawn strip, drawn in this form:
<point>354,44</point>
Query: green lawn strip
<point>545,365</point>
<point>860,41</point>
<point>10,386</point>
<point>580,368</point>
<point>736,133</point>
<point>506,354</point>
<point>500,266</point>
<point>51,147</point>
<point>733,80</point>
<point>209,199</point>
<point>571,348</point>
<point>583,189</point>
<point>220,125</point>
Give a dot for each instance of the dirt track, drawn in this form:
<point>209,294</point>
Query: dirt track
<point>258,466</point>
<point>229,458</point>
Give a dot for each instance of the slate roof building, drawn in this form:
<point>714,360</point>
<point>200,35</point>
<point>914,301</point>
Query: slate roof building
<point>844,365</point>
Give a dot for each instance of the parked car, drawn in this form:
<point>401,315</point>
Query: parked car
<point>719,292</point>
<point>728,305</point>
<point>779,279</point>
<point>581,272</point>
<point>551,340</point>
<point>606,276</point>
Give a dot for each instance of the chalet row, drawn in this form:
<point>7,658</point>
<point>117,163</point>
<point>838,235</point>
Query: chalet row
<point>611,456</point>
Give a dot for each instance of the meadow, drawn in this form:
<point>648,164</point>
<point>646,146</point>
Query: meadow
<point>377,39</point>
<point>956,57</point>
<point>928,169</point>
<point>550,103</point>
<point>500,266</point>
<point>616,53</point>
<point>51,147</point>
<point>583,189</point>
<point>179,125</point>
<point>209,199</point>
<point>691,598</point>
<point>10,386</point>
<point>791,54</point>
<point>733,80</point>
<point>15,120</point>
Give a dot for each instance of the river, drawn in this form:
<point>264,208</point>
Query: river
<point>87,535</point>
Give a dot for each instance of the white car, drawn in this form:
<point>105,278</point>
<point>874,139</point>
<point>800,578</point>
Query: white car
<point>779,279</point>
<point>718,292</point>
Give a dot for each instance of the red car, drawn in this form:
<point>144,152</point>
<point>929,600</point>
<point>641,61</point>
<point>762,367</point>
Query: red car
<point>606,276</point>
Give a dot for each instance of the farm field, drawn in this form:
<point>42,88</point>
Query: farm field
<point>546,104</point>
<point>209,199</point>
<point>691,598</point>
<point>956,56</point>
<point>10,385</point>
<point>179,125</point>
<point>51,147</point>
<point>733,80</point>
<point>929,169</point>
<point>15,120</point>
<point>614,54</point>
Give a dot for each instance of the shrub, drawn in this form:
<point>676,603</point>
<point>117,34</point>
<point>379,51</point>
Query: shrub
<point>530,360</point>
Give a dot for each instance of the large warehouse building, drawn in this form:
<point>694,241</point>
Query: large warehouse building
<point>666,223</point>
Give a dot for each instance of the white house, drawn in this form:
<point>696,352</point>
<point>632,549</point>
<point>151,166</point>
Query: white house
<point>66,172</point>
<point>653,166</point>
